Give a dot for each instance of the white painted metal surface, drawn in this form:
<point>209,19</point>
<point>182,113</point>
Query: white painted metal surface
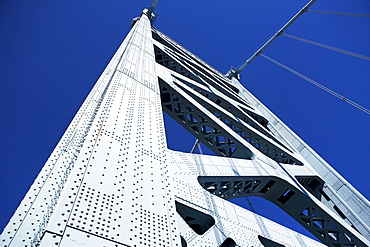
<point>112,181</point>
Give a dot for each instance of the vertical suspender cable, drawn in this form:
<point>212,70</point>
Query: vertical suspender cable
<point>328,47</point>
<point>318,85</point>
<point>338,13</point>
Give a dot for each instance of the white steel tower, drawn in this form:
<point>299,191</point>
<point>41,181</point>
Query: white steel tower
<point>112,181</point>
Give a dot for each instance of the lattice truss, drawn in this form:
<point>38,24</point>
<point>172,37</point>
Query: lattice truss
<point>112,181</point>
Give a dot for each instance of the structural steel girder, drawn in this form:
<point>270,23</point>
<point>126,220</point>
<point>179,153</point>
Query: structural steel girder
<point>112,181</point>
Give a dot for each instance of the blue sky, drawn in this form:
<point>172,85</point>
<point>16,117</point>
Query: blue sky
<point>52,53</point>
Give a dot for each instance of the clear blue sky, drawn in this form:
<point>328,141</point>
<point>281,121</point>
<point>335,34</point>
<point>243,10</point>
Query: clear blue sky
<point>52,52</point>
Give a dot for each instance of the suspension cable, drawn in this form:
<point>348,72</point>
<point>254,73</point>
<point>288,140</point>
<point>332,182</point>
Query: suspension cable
<point>152,7</point>
<point>318,85</point>
<point>235,73</point>
<point>197,145</point>
<point>337,13</point>
<point>327,47</point>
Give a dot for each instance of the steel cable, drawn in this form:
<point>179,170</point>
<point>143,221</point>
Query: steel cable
<point>328,47</point>
<point>337,13</point>
<point>318,85</point>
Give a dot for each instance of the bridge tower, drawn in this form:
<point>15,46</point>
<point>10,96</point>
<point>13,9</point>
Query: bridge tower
<point>112,181</point>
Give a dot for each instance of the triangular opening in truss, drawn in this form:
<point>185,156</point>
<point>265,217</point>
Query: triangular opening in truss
<point>268,242</point>
<point>229,242</point>
<point>178,139</point>
<point>196,220</point>
<point>270,211</point>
